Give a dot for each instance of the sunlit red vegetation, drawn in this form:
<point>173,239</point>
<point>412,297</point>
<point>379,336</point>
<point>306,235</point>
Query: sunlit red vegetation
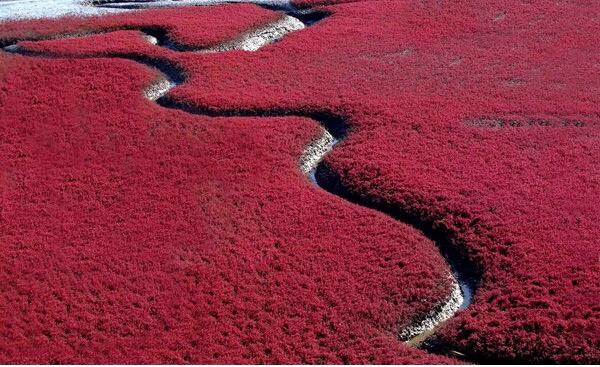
<point>132,233</point>
<point>193,26</point>
<point>117,42</point>
<point>166,237</point>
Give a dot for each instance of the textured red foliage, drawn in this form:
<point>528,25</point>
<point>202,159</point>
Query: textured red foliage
<point>193,26</point>
<point>132,233</point>
<point>117,42</point>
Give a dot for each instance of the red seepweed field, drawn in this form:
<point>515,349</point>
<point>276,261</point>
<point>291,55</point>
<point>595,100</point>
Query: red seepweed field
<point>183,230</point>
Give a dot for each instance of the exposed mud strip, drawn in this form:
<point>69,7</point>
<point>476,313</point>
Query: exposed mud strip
<point>37,9</point>
<point>254,40</point>
<point>463,277</point>
<point>146,4</point>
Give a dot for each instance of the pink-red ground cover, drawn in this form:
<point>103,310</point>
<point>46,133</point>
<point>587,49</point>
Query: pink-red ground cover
<point>132,233</point>
<point>192,26</point>
<point>140,234</point>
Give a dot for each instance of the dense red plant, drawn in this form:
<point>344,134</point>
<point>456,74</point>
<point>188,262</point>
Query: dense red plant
<point>139,234</point>
<point>193,26</point>
<point>133,233</point>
